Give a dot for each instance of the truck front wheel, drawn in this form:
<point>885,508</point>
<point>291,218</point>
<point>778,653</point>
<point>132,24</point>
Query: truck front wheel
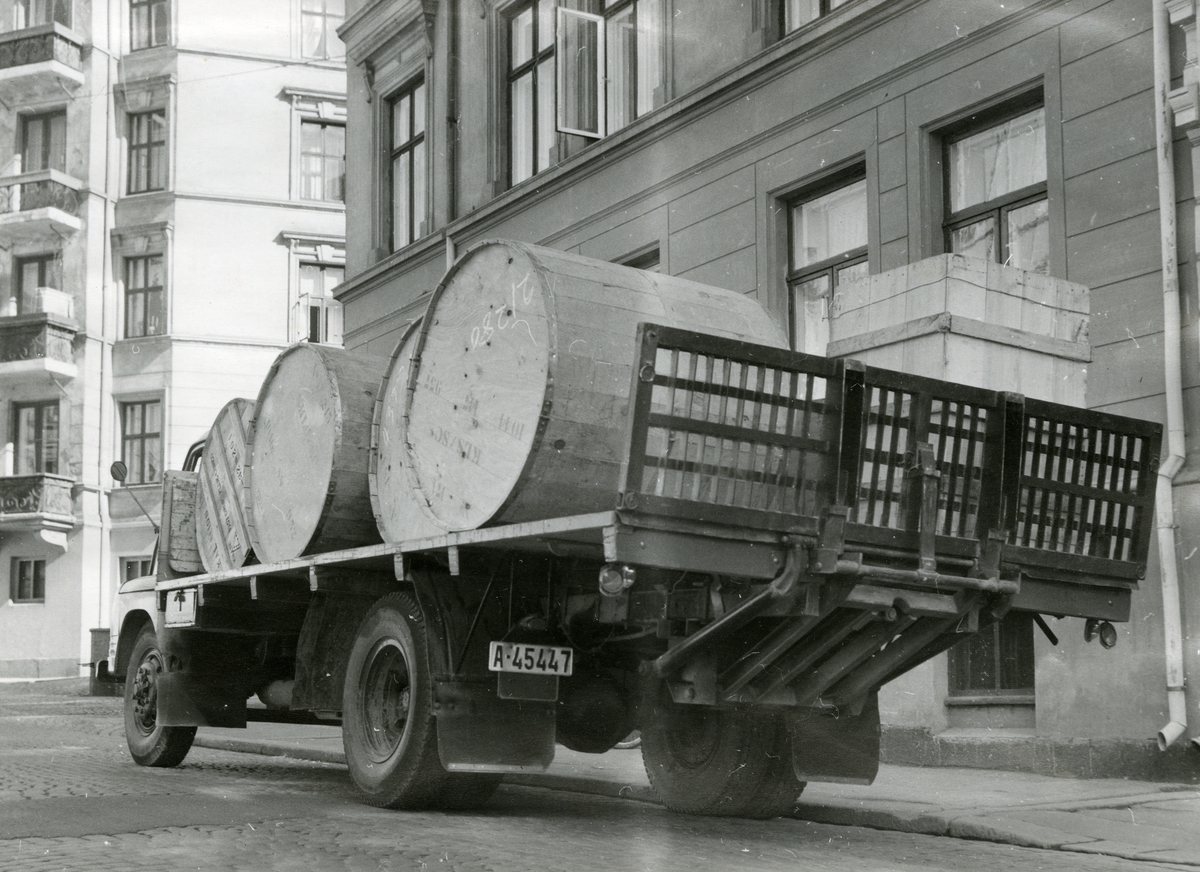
<point>701,760</point>
<point>389,731</point>
<point>150,743</point>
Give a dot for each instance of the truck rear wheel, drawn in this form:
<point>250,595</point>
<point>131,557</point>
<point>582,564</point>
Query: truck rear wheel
<point>150,743</point>
<point>389,731</point>
<point>702,760</point>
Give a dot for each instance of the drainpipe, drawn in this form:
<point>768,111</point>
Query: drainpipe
<point>1164,512</point>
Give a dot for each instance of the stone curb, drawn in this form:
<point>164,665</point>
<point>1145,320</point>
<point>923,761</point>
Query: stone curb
<point>987,825</point>
<point>269,749</point>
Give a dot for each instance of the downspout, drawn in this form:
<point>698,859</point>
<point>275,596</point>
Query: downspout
<point>1164,512</point>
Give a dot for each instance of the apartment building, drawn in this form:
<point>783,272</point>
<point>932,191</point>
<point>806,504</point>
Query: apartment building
<point>171,217</point>
<point>964,190</point>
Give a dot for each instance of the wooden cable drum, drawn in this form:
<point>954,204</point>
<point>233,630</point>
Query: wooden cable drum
<point>397,513</point>
<point>519,386</point>
<point>222,533</point>
<point>306,477</point>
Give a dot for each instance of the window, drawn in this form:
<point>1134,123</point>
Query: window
<point>136,567</point>
<point>996,203</point>
<point>28,583</point>
<point>794,14</point>
<point>149,23</point>
<point>827,234</point>
<point>147,151</point>
<point>145,306</point>
<point>35,427</point>
<point>322,161</point>
<point>531,90</point>
<point>998,660</point>
<point>408,165</point>
<point>319,20</point>
<point>606,60</point>
<point>32,13</point>
<point>44,142</point>
<point>31,273</point>
<point>141,440</point>
<point>319,317</point>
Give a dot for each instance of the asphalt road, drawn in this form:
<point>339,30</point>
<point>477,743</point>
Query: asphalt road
<point>70,798</point>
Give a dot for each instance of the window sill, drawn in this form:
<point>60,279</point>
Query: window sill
<point>989,699</point>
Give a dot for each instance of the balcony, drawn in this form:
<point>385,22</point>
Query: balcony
<point>40,502</point>
<point>37,63</point>
<point>39,344</point>
<point>41,206</point>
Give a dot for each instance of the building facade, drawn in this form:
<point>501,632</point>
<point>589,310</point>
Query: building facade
<point>171,217</point>
<point>964,190</point>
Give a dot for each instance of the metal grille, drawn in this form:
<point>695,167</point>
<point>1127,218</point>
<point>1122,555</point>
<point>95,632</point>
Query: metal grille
<point>1080,489</point>
<point>738,434</point>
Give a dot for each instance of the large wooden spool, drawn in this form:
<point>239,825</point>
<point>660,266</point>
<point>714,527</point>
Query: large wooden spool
<point>519,386</point>
<point>397,512</point>
<point>222,532</point>
<point>306,478</point>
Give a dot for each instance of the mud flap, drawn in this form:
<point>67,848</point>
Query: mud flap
<point>836,746</point>
<point>188,700</point>
<point>480,732</point>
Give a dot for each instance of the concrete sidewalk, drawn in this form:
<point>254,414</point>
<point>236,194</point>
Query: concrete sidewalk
<point>1132,819</point>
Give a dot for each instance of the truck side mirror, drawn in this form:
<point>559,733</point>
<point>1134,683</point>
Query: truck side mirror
<point>118,471</point>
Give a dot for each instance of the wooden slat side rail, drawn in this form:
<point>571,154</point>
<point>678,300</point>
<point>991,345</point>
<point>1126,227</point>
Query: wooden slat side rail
<point>901,411</point>
<point>731,432</point>
<point>1086,484</point>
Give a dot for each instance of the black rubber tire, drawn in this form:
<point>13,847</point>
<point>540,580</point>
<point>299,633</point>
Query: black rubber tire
<point>389,731</point>
<point>703,760</point>
<point>150,743</point>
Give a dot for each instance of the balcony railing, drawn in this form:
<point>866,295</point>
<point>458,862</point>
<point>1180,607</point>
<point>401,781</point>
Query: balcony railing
<point>36,501</point>
<point>38,342</point>
<point>39,205</point>
<point>37,62</point>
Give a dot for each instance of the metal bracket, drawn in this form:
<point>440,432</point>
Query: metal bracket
<point>988,564</point>
<point>923,470</point>
<point>832,540</point>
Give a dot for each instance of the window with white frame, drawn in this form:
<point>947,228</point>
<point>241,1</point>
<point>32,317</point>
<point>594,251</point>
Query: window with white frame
<point>996,201</point>
<point>35,438</point>
<point>794,14</point>
<point>584,68</point>
<point>145,299</point>
<point>322,160</point>
<point>44,141</point>
<point>147,146</point>
<point>406,166</point>
<point>320,316</point>
<point>318,145</point>
<point>318,266</point>
<point>32,13</point>
<point>28,581</point>
<point>31,273</point>
<point>319,21</point>
<point>149,23</point>
<point>141,440</point>
<point>827,233</point>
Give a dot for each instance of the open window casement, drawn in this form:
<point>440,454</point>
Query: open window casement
<point>579,55</point>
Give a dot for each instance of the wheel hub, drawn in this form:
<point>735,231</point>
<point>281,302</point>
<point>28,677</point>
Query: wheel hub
<point>386,697</point>
<point>145,695</point>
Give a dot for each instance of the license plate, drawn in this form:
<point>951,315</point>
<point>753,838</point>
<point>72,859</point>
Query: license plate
<point>530,659</point>
<point>181,608</point>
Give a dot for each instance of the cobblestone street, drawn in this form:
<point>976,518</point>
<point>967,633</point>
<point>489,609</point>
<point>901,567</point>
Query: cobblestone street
<point>70,798</point>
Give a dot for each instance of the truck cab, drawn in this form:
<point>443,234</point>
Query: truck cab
<point>133,607</point>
